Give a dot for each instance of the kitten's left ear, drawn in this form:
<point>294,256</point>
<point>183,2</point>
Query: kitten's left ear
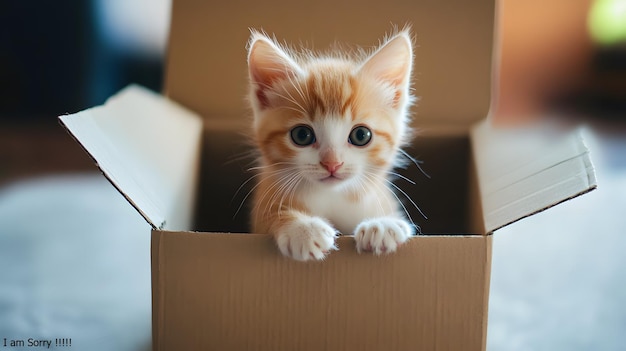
<point>268,63</point>
<point>392,62</point>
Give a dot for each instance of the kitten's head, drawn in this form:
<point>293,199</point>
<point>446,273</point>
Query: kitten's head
<point>334,120</point>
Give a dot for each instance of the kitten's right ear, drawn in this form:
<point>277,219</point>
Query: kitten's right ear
<point>267,63</point>
<point>391,64</point>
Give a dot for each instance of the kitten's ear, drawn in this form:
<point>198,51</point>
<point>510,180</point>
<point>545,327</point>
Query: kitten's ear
<point>267,63</point>
<point>392,62</point>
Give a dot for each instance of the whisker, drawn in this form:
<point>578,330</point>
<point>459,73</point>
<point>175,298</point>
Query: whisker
<point>276,183</point>
<point>270,202</point>
<point>251,155</point>
<point>291,99</point>
<point>398,199</point>
<point>280,192</point>
<point>255,168</point>
<point>407,196</point>
<point>296,85</point>
<point>245,198</point>
<point>253,188</point>
<point>259,174</point>
<point>290,108</point>
<point>242,185</point>
<point>417,163</point>
<point>401,176</point>
<point>291,184</point>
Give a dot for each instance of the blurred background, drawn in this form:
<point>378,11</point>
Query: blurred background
<point>72,264</point>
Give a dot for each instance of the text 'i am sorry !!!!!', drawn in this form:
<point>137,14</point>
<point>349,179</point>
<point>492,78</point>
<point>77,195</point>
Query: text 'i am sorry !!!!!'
<point>32,342</point>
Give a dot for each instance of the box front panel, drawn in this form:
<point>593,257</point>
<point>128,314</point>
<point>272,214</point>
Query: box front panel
<point>235,292</point>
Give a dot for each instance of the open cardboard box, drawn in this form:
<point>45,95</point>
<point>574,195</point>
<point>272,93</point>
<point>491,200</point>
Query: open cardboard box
<point>179,169</point>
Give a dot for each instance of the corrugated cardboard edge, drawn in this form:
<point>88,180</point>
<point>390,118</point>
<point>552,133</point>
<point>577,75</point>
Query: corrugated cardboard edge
<point>591,188</point>
<point>477,225</point>
<point>157,289</point>
<point>487,282</point>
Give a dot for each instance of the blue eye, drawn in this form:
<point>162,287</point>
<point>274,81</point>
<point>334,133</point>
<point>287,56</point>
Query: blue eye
<point>302,135</point>
<point>360,136</point>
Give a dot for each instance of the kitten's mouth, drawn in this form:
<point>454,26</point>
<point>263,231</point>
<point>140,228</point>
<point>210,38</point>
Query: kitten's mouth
<point>333,178</point>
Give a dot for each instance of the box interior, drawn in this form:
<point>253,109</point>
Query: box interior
<point>207,73</point>
<point>441,191</point>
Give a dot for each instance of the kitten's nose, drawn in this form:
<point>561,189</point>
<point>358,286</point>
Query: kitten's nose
<point>331,166</point>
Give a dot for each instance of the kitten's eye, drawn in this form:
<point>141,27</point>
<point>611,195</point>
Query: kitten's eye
<point>302,135</point>
<point>360,136</point>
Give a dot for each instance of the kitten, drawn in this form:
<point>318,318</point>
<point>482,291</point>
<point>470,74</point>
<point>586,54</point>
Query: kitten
<point>329,129</point>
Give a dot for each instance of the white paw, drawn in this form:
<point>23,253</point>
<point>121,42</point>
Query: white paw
<point>383,234</point>
<point>306,238</point>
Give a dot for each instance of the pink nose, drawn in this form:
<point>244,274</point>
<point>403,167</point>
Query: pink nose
<point>331,166</point>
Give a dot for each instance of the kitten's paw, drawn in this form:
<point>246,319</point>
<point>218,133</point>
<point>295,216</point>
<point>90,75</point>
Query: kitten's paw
<point>383,234</point>
<point>309,238</point>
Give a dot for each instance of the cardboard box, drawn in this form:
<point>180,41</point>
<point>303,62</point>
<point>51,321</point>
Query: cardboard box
<point>215,291</point>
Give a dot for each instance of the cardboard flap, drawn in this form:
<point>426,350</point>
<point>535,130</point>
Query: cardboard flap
<point>525,171</point>
<point>148,147</point>
<point>453,49</point>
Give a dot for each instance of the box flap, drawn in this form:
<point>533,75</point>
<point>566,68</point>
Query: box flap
<point>148,147</point>
<point>525,171</point>
<point>207,71</point>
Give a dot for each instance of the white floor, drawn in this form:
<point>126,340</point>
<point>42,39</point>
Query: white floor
<point>86,277</point>
<point>558,278</point>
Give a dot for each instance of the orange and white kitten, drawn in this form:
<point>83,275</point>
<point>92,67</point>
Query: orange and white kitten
<point>329,129</point>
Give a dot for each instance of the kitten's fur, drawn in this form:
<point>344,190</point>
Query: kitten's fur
<point>306,194</point>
